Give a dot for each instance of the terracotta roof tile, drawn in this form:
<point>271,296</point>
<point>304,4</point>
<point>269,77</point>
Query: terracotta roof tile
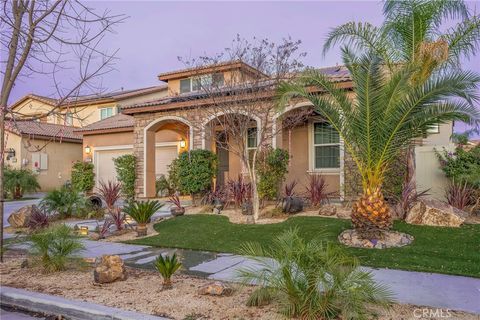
<point>116,122</point>
<point>42,130</point>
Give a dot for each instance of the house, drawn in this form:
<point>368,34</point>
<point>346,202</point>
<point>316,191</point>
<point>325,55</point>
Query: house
<point>43,139</point>
<point>156,131</point>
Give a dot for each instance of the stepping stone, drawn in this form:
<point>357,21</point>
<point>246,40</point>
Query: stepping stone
<point>146,260</point>
<point>218,264</point>
<point>134,255</point>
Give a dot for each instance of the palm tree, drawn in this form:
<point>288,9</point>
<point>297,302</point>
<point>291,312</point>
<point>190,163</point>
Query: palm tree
<point>389,110</point>
<point>19,181</point>
<point>411,34</point>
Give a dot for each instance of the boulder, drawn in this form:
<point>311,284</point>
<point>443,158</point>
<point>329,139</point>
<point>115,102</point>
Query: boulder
<point>292,205</point>
<point>216,289</point>
<point>435,213</point>
<point>328,210</point>
<point>110,269</point>
<point>19,218</point>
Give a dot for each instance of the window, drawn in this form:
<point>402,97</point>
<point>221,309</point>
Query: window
<point>69,119</point>
<point>326,144</point>
<point>435,128</point>
<point>251,138</point>
<point>106,113</point>
<point>197,83</point>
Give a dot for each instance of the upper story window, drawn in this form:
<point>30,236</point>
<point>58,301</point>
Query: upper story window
<point>326,144</point>
<point>252,138</point>
<point>434,128</point>
<point>69,119</point>
<point>106,113</point>
<point>205,81</point>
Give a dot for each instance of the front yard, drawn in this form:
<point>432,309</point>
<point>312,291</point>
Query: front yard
<point>435,249</point>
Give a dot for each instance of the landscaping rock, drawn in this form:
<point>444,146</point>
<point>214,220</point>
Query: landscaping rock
<point>19,218</point>
<point>216,289</point>
<point>435,213</point>
<point>110,269</point>
<point>386,239</point>
<point>292,205</point>
<point>328,210</point>
<point>94,236</point>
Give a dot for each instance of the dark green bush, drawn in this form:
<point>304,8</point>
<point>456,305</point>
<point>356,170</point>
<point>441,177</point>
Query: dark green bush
<point>66,202</point>
<point>462,165</point>
<point>83,177</point>
<point>193,171</point>
<point>272,166</point>
<point>19,181</point>
<point>126,173</point>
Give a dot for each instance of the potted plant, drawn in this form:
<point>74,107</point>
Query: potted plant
<point>142,212</point>
<point>176,209</point>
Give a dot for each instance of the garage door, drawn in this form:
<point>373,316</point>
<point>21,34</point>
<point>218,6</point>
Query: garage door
<point>105,166</point>
<point>163,158</point>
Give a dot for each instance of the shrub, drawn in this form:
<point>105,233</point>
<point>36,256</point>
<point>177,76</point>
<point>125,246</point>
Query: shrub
<point>83,177</point>
<point>317,192</point>
<point>19,181</point>
<point>272,166</point>
<point>55,247</point>
<point>194,170</point>
<point>462,165</point>
<point>38,219</point>
<point>126,173</point>
<point>65,201</point>
<point>459,195</point>
<point>163,186</point>
<point>110,193</point>
<point>142,212</point>
<point>167,266</point>
<point>239,190</point>
<point>311,280</point>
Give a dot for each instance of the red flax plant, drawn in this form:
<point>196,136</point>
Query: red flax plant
<point>459,195</point>
<point>110,193</point>
<point>317,192</point>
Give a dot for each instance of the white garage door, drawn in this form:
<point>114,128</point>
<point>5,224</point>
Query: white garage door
<point>163,158</point>
<point>105,166</point>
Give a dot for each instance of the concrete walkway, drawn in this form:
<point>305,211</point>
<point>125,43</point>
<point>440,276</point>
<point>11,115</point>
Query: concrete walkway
<point>419,288</point>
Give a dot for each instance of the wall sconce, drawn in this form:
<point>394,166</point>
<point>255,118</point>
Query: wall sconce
<point>83,231</point>
<point>10,152</point>
<point>183,143</point>
<point>88,149</point>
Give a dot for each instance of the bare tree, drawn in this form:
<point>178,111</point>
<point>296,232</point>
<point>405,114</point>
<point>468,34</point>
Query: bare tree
<point>242,116</point>
<point>49,37</point>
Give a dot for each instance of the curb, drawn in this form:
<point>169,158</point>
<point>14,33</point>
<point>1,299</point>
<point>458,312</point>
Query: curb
<point>72,309</point>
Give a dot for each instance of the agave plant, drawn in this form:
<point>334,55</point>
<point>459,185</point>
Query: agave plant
<point>389,111</point>
<point>55,247</point>
<point>311,280</point>
<point>167,266</point>
<point>142,212</point>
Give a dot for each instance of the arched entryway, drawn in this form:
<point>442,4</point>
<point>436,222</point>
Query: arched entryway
<point>164,139</point>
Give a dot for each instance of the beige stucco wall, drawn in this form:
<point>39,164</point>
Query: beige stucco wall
<point>440,139</point>
<point>61,156</point>
<point>15,142</point>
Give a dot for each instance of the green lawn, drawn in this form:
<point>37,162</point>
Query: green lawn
<point>435,249</point>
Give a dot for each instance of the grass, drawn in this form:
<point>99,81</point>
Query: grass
<point>435,249</point>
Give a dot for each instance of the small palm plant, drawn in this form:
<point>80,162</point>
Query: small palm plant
<point>388,112</point>
<point>55,247</point>
<point>19,181</point>
<point>167,266</point>
<point>142,212</point>
<point>311,280</point>
<point>65,201</point>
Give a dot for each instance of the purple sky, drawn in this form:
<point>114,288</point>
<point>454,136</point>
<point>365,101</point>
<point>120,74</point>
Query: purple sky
<point>157,32</point>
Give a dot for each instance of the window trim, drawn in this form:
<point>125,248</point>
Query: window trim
<point>200,77</point>
<point>311,151</point>
<point>106,108</point>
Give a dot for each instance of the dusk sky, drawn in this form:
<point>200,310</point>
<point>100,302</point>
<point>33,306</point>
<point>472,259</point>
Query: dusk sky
<point>157,32</point>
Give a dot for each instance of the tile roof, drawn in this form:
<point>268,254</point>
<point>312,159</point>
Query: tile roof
<point>43,130</point>
<point>116,122</point>
<point>336,74</point>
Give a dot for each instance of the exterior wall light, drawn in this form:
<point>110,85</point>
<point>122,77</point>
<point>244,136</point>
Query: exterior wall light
<point>183,143</point>
<point>88,149</point>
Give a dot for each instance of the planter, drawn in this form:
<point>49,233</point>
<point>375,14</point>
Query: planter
<point>176,211</point>
<point>141,229</point>
<point>292,205</point>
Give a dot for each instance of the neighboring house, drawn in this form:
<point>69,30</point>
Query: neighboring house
<point>156,131</point>
<point>49,150</point>
<point>51,136</point>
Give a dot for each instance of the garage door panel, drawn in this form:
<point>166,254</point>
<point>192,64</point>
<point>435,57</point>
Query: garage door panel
<point>105,165</point>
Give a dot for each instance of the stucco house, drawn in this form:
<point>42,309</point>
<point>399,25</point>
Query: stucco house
<point>157,130</point>
<point>48,145</point>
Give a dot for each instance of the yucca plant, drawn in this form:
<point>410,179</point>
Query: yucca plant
<point>54,247</point>
<point>311,280</point>
<point>142,212</point>
<point>388,112</point>
<point>167,266</point>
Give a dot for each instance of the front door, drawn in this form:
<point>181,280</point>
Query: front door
<point>223,158</point>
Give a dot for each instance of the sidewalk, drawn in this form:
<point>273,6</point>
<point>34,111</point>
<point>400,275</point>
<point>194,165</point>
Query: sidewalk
<point>419,288</point>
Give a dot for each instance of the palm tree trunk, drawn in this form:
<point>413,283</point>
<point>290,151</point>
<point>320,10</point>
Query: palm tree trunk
<point>371,213</point>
